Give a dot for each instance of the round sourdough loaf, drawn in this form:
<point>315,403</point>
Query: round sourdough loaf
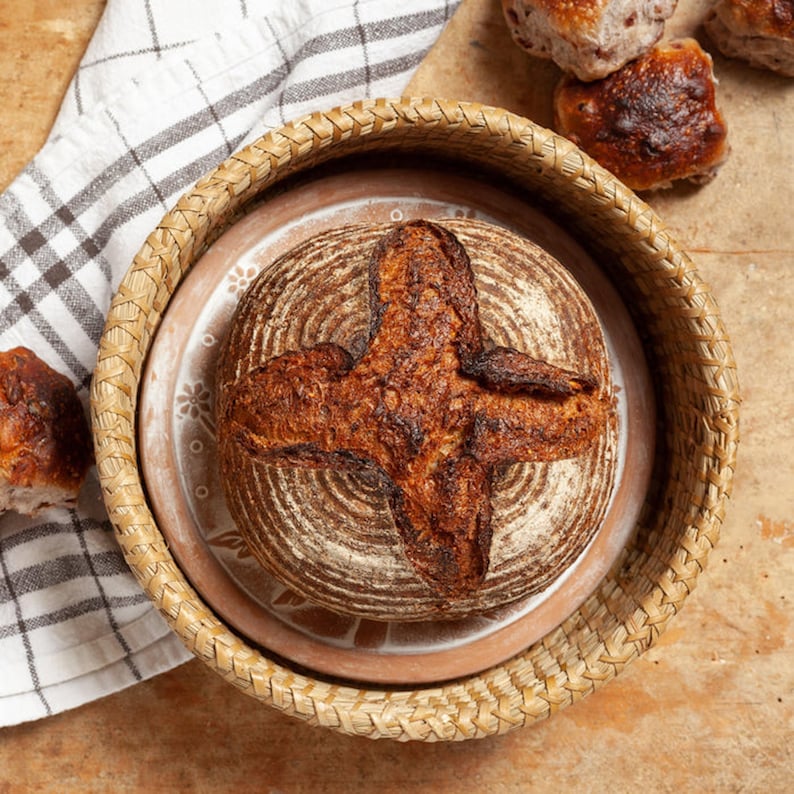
<point>416,420</point>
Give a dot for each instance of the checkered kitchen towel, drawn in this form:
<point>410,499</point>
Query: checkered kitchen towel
<point>166,90</point>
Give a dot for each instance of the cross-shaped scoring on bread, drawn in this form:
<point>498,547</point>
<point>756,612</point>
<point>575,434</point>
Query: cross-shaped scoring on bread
<point>425,406</point>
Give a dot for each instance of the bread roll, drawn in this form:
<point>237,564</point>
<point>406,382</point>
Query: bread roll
<point>387,453</point>
<point>760,32</point>
<point>590,38</point>
<point>45,444</point>
<point>652,122</point>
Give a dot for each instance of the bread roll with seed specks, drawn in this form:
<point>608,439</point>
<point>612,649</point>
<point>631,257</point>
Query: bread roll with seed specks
<point>760,32</point>
<point>589,38</point>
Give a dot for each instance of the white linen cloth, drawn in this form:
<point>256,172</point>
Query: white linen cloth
<point>166,90</point>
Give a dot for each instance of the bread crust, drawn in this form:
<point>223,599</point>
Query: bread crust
<point>591,38</point>
<point>652,122</point>
<point>760,32</point>
<point>423,408</point>
<point>45,443</point>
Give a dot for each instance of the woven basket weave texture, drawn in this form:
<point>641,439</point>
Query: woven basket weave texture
<point>688,352</point>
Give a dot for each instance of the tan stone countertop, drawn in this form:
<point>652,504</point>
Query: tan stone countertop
<point>710,707</point>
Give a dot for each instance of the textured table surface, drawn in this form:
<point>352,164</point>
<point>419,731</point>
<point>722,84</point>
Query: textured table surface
<point>710,706</point>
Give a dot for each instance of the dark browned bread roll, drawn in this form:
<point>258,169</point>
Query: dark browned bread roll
<point>45,444</point>
<point>652,122</point>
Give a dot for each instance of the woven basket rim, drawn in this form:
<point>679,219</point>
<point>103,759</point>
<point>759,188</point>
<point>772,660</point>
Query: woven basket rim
<point>631,608</point>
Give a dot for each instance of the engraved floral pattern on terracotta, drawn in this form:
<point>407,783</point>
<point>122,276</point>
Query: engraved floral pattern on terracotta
<point>231,541</point>
<point>194,401</point>
<point>239,278</point>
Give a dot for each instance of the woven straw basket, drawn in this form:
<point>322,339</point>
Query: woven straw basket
<point>687,350</point>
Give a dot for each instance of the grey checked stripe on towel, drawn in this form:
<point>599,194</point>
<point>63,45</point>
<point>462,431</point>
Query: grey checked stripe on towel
<point>166,90</point>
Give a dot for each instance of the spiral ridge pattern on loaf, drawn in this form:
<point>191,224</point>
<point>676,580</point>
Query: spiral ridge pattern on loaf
<point>329,534</point>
